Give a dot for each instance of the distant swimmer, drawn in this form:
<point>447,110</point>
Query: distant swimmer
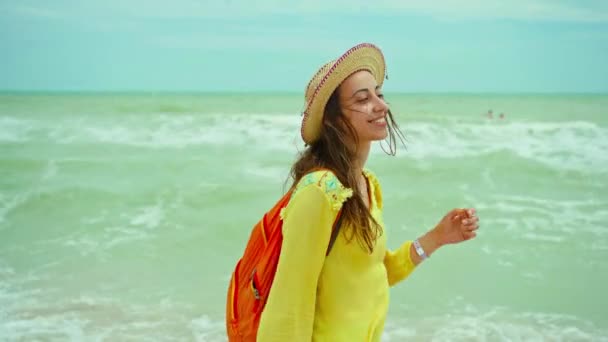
<point>490,114</point>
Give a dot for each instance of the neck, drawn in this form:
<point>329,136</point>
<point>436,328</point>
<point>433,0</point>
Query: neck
<point>361,156</point>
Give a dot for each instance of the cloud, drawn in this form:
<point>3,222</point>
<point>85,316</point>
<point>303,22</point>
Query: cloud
<point>514,9</point>
<point>529,10</point>
<point>31,11</point>
<point>589,11</point>
<point>254,41</point>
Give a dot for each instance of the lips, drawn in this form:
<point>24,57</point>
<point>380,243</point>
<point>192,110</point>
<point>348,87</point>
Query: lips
<point>379,121</point>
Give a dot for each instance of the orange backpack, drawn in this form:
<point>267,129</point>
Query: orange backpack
<point>254,272</point>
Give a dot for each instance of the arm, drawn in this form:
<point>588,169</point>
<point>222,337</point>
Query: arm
<point>457,226</point>
<point>289,311</point>
<point>399,263</point>
<point>429,242</point>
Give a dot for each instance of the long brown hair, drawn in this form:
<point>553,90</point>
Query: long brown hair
<point>333,151</point>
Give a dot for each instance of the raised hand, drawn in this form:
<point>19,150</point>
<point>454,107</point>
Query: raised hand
<point>457,226</point>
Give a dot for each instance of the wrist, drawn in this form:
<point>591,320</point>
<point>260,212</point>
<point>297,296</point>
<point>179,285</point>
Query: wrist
<point>419,250</point>
<point>430,242</point>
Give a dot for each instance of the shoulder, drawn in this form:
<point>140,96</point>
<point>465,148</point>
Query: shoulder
<point>326,182</point>
<point>375,185</point>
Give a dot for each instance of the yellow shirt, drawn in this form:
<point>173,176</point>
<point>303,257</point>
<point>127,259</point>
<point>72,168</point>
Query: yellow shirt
<point>341,297</point>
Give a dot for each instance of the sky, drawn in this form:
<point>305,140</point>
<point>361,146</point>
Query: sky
<point>479,46</point>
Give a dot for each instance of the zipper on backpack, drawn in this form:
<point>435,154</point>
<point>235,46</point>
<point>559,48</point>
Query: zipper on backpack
<point>256,292</point>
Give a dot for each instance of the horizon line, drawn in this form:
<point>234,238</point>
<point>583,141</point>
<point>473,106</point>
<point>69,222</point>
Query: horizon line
<point>279,92</point>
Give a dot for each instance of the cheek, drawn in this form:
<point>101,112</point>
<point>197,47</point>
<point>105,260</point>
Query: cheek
<point>360,112</point>
<point>353,117</point>
<point>365,108</point>
<point>360,123</point>
<point>357,116</point>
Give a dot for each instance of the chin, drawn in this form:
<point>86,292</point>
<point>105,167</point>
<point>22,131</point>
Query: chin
<point>380,136</point>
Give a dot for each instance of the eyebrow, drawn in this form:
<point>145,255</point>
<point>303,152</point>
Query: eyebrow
<point>363,89</point>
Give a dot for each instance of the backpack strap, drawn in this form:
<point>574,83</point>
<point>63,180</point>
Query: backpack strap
<point>334,232</point>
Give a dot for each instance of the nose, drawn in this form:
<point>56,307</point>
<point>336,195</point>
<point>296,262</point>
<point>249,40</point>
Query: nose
<point>380,106</point>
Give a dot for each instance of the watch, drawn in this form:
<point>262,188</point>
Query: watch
<point>420,250</point>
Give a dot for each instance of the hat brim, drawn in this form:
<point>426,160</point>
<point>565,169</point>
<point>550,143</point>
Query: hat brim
<point>361,57</point>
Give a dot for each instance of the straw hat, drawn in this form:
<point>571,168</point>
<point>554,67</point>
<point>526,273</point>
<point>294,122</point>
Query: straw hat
<point>364,56</point>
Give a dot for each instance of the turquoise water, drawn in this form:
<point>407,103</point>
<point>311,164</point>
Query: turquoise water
<point>122,215</point>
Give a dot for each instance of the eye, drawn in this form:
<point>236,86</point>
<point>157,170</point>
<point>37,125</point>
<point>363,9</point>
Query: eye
<point>381,96</point>
<point>363,100</point>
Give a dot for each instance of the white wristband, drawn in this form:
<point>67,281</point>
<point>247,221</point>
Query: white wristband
<point>420,250</point>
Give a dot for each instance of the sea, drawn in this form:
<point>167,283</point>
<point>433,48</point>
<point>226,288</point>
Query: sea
<point>122,215</point>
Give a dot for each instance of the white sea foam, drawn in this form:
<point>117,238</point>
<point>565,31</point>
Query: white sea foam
<point>575,145</point>
<point>472,324</point>
<point>571,146</point>
<point>50,170</point>
<point>6,295</point>
<point>117,236</point>
<point>521,231</point>
<point>275,132</point>
<point>9,203</point>
<point>544,217</point>
<point>274,174</point>
<point>543,238</point>
<point>278,132</point>
<point>149,216</point>
<point>137,224</point>
<point>100,318</point>
<point>15,130</point>
<point>206,329</point>
<point>96,317</point>
<point>87,243</point>
<point>599,245</point>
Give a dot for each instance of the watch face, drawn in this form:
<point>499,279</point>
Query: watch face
<point>419,249</point>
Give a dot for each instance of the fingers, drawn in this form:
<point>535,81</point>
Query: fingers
<point>458,213</point>
<point>472,222</point>
<point>467,218</point>
<point>468,235</point>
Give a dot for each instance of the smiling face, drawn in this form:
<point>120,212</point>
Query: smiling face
<point>362,103</point>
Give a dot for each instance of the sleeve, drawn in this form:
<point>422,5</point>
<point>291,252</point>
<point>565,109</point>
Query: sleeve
<point>290,309</point>
<point>398,263</point>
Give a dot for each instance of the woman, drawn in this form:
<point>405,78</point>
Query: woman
<point>343,295</point>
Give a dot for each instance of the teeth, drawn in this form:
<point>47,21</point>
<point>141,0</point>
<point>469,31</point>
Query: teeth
<point>380,120</point>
